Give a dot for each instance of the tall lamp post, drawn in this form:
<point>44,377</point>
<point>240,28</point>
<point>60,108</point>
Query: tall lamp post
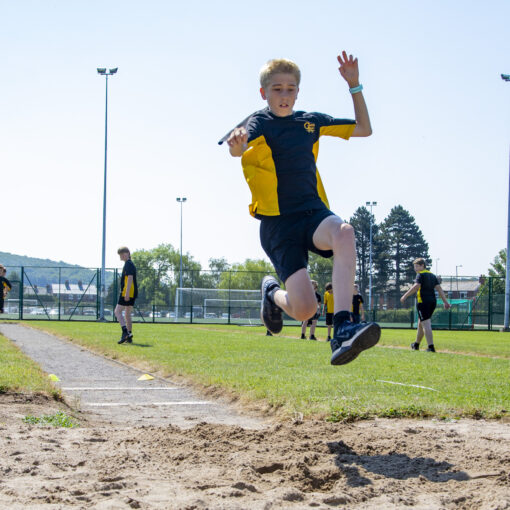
<point>457,279</point>
<point>437,260</point>
<point>370,204</point>
<point>506,77</point>
<point>104,72</point>
<point>181,200</point>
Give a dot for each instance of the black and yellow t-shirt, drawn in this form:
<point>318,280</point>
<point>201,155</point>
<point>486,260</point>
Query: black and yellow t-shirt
<point>4,284</point>
<point>279,164</point>
<point>129,269</point>
<point>329,301</point>
<point>428,282</point>
<point>356,301</point>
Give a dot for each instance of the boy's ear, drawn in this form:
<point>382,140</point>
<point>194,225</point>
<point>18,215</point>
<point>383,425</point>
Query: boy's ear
<point>263,93</point>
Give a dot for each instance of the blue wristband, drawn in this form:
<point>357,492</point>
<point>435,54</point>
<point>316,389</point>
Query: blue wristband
<point>357,89</point>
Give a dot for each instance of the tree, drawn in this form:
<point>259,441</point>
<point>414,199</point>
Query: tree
<point>498,272</point>
<point>246,275</point>
<point>404,242</point>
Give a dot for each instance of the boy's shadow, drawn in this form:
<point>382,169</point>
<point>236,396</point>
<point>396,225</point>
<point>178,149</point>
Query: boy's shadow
<point>141,345</point>
<point>393,465</point>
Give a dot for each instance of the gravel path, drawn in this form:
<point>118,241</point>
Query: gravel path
<point>111,391</point>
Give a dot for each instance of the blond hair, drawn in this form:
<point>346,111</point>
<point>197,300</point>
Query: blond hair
<point>123,249</point>
<point>275,66</point>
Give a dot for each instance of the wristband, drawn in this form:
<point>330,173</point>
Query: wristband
<point>357,89</point>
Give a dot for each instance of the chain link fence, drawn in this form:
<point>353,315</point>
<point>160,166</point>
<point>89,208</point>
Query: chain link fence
<point>226,297</point>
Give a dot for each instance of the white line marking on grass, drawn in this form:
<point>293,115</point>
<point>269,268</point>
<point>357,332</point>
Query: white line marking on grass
<point>118,404</point>
<point>412,385</point>
<point>90,388</point>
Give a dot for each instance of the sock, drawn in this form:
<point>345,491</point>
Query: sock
<point>124,329</point>
<point>341,317</point>
<point>270,293</point>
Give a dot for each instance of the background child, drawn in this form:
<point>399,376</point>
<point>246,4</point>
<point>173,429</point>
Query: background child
<point>425,285</point>
<point>312,322</point>
<point>358,311</point>
<point>329,306</point>
<point>128,295</point>
<point>5,287</point>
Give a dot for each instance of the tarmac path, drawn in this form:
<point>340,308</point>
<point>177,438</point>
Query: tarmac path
<point>110,390</point>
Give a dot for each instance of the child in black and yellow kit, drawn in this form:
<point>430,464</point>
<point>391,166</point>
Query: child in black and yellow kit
<point>279,148</point>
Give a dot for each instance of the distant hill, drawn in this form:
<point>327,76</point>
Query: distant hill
<point>45,271</point>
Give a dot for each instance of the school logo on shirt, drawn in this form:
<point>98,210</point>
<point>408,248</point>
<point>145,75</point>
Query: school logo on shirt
<point>310,127</point>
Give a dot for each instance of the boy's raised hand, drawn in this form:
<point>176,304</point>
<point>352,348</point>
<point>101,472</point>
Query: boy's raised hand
<point>349,69</point>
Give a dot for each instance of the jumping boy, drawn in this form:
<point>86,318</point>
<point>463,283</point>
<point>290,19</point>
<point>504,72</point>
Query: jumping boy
<point>128,295</point>
<point>329,307</point>
<point>279,148</point>
<point>312,322</point>
<point>425,285</point>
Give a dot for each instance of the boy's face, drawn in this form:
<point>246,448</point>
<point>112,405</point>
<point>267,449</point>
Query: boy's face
<point>281,94</point>
<point>418,267</point>
<point>356,290</point>
<point>124,256</point>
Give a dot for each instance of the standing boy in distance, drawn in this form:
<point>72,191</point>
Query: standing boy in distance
<point>128,295</point>
<point>425,285</point>
<point>358,310</point>
<point>279,148</point>
<point>329,307</point>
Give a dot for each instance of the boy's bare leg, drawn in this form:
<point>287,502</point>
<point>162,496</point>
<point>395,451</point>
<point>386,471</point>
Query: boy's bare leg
<point>329,331</point>
<point>427,328</point>
<point>118,313</point>
<point>419,332</point>
<point>312,328</point>
<point>334,234</point>
<point>129,324</point>
<point>303,327</point>
<point>298,300</point>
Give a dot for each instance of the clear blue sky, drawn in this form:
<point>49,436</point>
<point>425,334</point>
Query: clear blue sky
<point>188,72</point>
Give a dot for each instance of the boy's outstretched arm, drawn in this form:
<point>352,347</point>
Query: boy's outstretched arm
<point>350,73</point>
<point>237,141</point>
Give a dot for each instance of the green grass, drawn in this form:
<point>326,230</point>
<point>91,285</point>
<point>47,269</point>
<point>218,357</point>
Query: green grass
<point>18,373</point>
<point>295,375</point>
<point>59,419</point>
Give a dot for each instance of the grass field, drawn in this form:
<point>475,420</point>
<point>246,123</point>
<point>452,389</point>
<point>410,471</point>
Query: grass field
<point>20,374</point>
<point>294,376</point>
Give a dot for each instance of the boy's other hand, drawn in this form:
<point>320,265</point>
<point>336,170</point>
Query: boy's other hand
<point>349,69</point>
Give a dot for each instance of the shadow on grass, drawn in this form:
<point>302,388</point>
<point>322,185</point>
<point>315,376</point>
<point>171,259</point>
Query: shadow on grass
<point>392,465</point>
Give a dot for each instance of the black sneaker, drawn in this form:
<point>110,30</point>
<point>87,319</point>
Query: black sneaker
<point>350,340</point>
<point>130,338</point>
<point>124,337</point>
<point>303,337</point>
<point>415,346</point>
<point>431,348</point>
<point>270,314</point>
<point>312,337</point>
<point>268,333</point>
<point>328,339</point>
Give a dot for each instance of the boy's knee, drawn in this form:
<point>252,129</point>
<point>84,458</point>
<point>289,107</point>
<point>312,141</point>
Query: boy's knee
<point>305,309</point>
<point>344,234</point>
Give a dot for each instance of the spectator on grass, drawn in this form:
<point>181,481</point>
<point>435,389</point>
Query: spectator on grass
<point>5,287</point>
<point>279,148</point>
<point>425,285</point>
<point>312,322</point>
<point>328,307</point>
<point>357,310</point>
<point>128,295</point>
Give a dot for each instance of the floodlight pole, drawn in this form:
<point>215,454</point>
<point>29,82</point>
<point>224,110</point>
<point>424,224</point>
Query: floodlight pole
<point>104,72</point>
<point>181,200</point>
<point>457,279</point>
<point>506,77</point>
<point>370,204</point>
<point>436,265</point>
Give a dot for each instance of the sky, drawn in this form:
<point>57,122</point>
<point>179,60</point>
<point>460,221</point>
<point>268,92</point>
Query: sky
<point>188,72</point>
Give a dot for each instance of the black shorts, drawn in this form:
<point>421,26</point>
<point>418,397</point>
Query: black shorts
<point>314,318</point>
<point>287,239</point>
<point>129,302</point>
<point>1,304</point>
<point>425,310</point>
<point>329,319</point>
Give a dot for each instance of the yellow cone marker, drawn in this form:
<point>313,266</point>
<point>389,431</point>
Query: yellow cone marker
<point>53,377</point>
<point>145,377</point>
